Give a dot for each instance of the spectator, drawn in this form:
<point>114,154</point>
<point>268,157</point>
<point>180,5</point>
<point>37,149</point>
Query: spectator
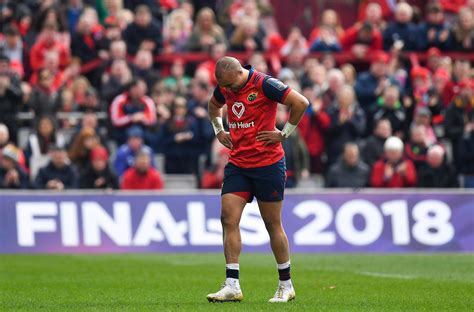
<point>347,123</point>
<point>12,175</point>
<point>58,174</point>
<point>132,107</point>
<point>43,99</point>
<point>5,141</point>
<point>177,31</point>
<point>144,68</point>
<point>81,147</point>
<point>362,39</point>
<point>197,106</point>
<point>47,41</point>
<point>126,153</point>
<point>372,147</point>
<point>10,98</point>
<point>213,177</point>
<point>350,74</point>
<point>335,83</point>
<point>313,127</point>
<point>434,32</point>
<point>218,50</point>
<point>177,78</point>
<point>371,84</point>
<point>44,136</point>
<point>179,138</point>
<point>85,46</point>
<point>350,171</point>
<point>206,32</point>
<point>142,176</point>
<point>393,170</point>
<point>144,32</point>
<point>462,33</point>
<point>296,152</point>
<point>117,13</point>
<point>329,18</point>
<point>401,32</point>
<point>390,108</point>
<point>423,119</point>
<point>246,36</point>
<point>98,174</point>
<point>417,148</point>
<point>458,115</point>
<point>436,172</point>
<point>117,81</point>
<point>326,41</point>
<point>374,16</point>
<point>89,120</point>
<point>466,155</point>
<point>12,45</point>
<point>295,40</point>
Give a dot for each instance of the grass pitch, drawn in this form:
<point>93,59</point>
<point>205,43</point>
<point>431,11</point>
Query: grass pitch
<point>180,282</point>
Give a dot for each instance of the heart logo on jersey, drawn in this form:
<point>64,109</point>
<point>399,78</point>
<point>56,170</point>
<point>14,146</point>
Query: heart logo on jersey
<point>238,109</point>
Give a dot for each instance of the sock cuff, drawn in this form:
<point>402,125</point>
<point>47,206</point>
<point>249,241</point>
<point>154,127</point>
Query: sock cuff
<point>232,266</point>
<point>282,266</point>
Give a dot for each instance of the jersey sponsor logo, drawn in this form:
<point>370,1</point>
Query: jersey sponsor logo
<point>252,96</point>
<point>241,125</point>
<point>238,109</point>
<point>280,86</point>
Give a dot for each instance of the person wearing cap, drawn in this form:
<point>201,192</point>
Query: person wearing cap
<point>434,31</point>
<point>401,29</point>
<point>58,174</point>
<point>371,84</point>
<point>98,174</point>
<point>12,176</point>
<point>392,170</point>
<point>142,176</point>
<point>436,172</point>
<point>127,152</point>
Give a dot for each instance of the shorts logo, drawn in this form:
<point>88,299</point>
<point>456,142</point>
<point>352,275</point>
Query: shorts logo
<point>238,109</point>
<point>252,96</point>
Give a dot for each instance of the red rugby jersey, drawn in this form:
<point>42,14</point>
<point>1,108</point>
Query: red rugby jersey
<point>249,111</point>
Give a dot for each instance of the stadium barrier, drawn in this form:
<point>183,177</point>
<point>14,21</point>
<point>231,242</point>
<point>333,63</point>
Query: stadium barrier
<point>315,221</point>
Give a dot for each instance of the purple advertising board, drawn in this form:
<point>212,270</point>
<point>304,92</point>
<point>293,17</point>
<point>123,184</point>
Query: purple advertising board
<point>373,221</point>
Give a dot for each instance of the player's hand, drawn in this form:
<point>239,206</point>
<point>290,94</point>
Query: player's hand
<point>270,137</point>
<point>225,139</point>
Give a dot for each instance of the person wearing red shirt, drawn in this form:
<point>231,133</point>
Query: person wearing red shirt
<point>256,166</point>
<point>48,40</point>
<point>393,170</point>
<point>361,39</point>
<point>142,176</point>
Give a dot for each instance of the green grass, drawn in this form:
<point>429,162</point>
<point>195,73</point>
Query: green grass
<point>180,282</point>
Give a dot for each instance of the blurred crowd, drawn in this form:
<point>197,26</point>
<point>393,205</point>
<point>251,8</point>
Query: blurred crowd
<point>81,77</point>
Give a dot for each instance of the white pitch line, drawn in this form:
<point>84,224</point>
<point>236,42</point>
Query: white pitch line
<point>387,275</point>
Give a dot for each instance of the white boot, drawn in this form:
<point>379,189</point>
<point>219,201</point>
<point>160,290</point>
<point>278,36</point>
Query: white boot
<point>284,293</point>
<point>227,293</point>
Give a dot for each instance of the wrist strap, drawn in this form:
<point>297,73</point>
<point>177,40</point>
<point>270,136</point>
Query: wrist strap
<point>217,125</point>
<point>288,129</point>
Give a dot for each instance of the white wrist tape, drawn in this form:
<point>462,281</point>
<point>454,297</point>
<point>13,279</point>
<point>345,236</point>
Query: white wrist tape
<point>288,129</point>
<point>217,125</point>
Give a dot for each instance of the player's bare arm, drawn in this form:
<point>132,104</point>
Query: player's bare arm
<point>215,114</point>
<point>298,104</point>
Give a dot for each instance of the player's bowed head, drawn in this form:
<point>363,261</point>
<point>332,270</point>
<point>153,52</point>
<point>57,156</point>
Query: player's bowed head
<point>231,75</point>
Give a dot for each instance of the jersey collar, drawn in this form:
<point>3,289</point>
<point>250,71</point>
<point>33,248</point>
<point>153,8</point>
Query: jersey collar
<point>251,71</point>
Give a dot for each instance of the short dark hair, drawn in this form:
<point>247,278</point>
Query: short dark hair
<point>11,31</point>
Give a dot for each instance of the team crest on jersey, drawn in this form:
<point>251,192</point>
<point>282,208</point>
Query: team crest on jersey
<point>238,109</point>
<point>252,96</point>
